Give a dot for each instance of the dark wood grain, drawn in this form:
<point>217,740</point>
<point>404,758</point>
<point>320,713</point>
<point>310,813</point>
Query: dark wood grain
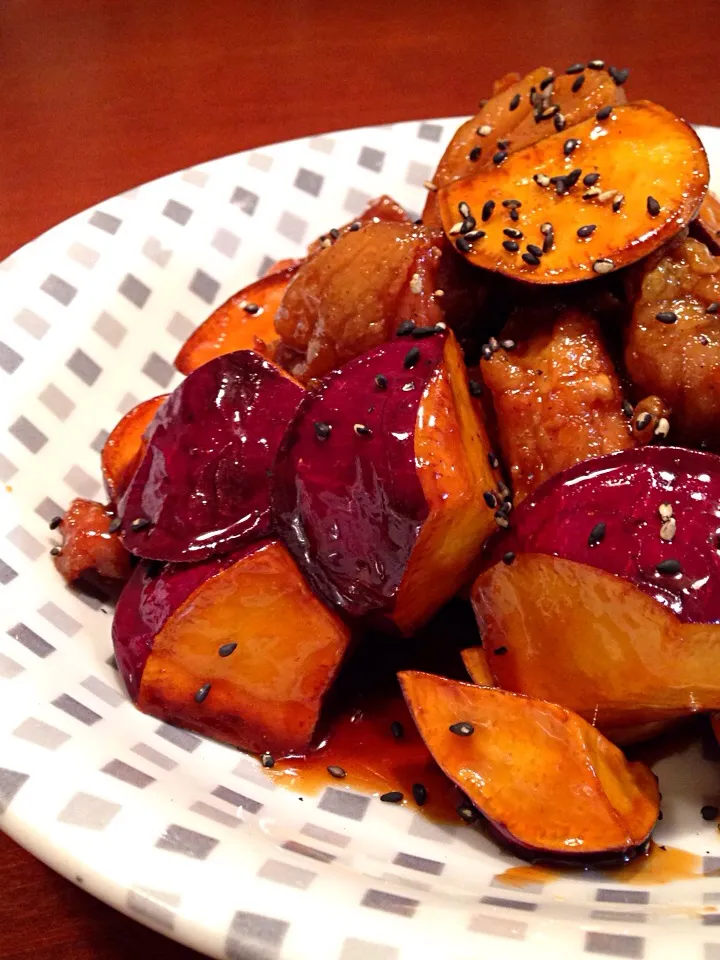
<point>99,95</point>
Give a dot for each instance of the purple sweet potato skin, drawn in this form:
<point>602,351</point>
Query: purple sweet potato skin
<point>203,481</point>
<point>147,601</point>
<point>624,491</point>
<point>349,507</point>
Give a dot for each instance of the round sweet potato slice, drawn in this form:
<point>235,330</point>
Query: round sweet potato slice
<point>593,198</point>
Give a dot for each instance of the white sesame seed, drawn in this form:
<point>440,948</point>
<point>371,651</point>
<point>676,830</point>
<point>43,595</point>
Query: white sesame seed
<point>456,228</point>
<point>603,266</point>
<point>668,529</point>
<point>484,131</point>
<point>541,180</point>
<point>438,293</point>
<point>429,185</point>
<point>606,195</point>
<point>663,427</point>
<point>665,510</point>
<point>416,283</point>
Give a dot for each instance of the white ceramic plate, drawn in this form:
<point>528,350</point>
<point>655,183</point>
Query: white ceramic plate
<point>186,835</point>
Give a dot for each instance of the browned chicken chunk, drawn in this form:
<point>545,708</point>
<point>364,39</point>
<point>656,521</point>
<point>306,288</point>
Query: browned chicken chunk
<point>673,341</point>
<point>557,397</point>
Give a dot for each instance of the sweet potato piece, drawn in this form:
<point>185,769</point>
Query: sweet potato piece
<point>548,782</point>
<point>476,664</point>
<point>344,301</point>
<point>706,228</point>
<point>202,485</point>
<point>468,151</point>
<point>383,508</point>
<point>88,545</point>
<point>267,693</point>
<point>593,642</point>
<point>557,397</point>
<point>236,325</point>
<point>679,361</point>
<point>382,209</point>
<point>640,150</point>
<point>280,266</point>
<point>125,446</point>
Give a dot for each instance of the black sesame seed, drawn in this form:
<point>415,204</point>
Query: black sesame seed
<point>513,233</point>
<point>546,228</point>
<point>604,112</point>
<point>463,209</point>
<point>548,113</point>
<point>115,524</point>
<point>335,771</point>
<point>462,244</point>
<point>202,693</point>
<point>617,202</point>
<point>487,210</point>
<point>267,760</point>
<point>476,388</point>
<point>511,245</point>
<point>251,308</point>
<point>55,523</point>
<point>490,499</point>
<point>576,68</point>
<point>572,178</point>
<point>55,552</point>
<point>500,157</point>
<point>154,568</point>
<point>493,344</point>
<point>515,102</point>
<point>393,796</point>
<point>322,430</point>
<point>474,154</point>
<point>709,812</point>
<point>503,144</point>
<point>226,649</point>
<point>669,567</point>
<point>493,461</point>
<point>421,333</point>
<point>381,381</point>
<point>586,230</point>
<point>406,327</point>
<point>355,225</point>
<point>501,520</point>
<point>419,791</point>
<point>653,207</point>
<point>139,523</point>
<point>500,651</point>
<point>559,122</point>
<point>704,340</point>
<point>467,813</point>
<point>334,233</point>
<point>627,408</point>
<point>511,203</point>
<point>534,249</point>
<point>474,235</point>
<point>514,215</point>
<point>548,242</point>
<point>590,179</point>
<point>619,76</point>
<point>579,81</point>
<point>596,64</point>
<point>462,729</point>
<point>643,421</point>
<point>397,729</point>
<point>570,144</point>
<point>411,358</point>
<point>666,316</point>
<point>547,81</point>
<point>362,430</point>
<point>713,307</point>
<point>531,259</point>
<point>486,351</point>
<point>468,224</point>
<point>597,535</point>
<point>508,558</point>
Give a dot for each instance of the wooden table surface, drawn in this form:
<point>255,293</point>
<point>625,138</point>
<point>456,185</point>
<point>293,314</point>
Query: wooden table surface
<point>99,95</point>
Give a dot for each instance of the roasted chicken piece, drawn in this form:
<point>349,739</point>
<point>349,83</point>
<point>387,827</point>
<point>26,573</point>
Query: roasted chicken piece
<point>673,341</point>
<point>556,395</point>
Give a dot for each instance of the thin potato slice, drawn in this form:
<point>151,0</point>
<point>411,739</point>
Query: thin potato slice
<point>653,174</point>
<point>548,782</point>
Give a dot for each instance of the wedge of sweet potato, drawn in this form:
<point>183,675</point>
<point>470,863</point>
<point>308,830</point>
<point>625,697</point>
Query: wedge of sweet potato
<point>378,488</point>
<point>246,317</point>
<point>593,642</point>
<point>124,448</point>
<point>382,209</point>
<point>556,395</point>
<point>507,123</point>
<point>476,664</point>
<point>652,176</point>
<point>548,782</point>
<point>677,357</point>
<point>89,546</point>
<point>201,487</point>
<point>237,648</point>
